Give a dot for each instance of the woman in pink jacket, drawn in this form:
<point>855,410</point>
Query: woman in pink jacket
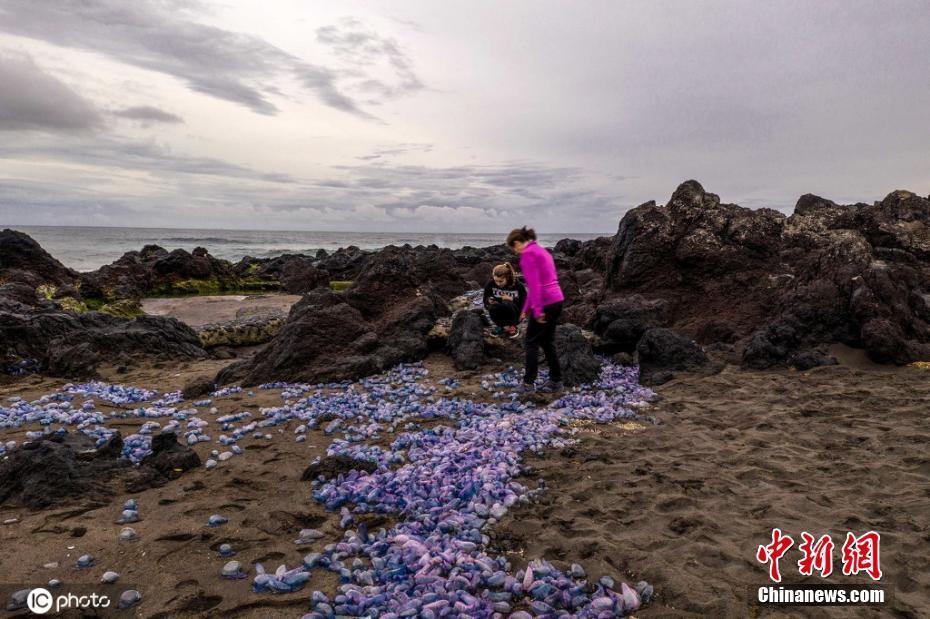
<point>542,308</point>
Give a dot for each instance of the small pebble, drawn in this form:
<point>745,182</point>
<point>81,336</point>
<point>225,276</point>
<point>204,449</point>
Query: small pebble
<point>226,550</point>
<point>54,583</point>
<point>210,464</point>
<point>85,561</point>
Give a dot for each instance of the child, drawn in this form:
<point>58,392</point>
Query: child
<point>504,297</point>
<point>542,307</point>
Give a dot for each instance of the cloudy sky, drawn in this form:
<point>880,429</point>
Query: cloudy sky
<point>438,116</point>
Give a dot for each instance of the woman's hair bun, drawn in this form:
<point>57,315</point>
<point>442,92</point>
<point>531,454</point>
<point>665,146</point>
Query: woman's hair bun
<point>523,235</point>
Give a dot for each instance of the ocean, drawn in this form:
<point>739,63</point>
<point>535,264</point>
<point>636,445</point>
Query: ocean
<point>89,248</point>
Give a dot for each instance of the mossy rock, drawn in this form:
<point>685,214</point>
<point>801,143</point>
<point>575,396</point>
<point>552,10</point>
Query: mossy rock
<point>253,284</point>
<point>47,291</point>
<point>94,304</point>
<point>247,331</point>
<point>212,286</point>
<point>70,304</point>
<point>188,287</point>
<point>124,308</point>
<point>338,285</point>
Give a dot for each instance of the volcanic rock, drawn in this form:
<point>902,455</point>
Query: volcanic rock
<point>381,320</point>
<point>154,271</point>
<point>169,460</point>
<point>71,345</point>
<point>661,352</point>
<point>620,323</point>
<point>57,470</point>
<point>466,339</point>
<point>23,259</point>
<point>331,466</point>
<point>776,285</point>
<point>576,357</point>
<point>198,387</point>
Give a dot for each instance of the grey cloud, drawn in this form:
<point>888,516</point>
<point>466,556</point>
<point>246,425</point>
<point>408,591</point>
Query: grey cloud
<point>31,99</point>
<point>409,23</point>
<point>383,197</point>
<point>236,67</point>
<point>146,157</point>
<point>508,177</point>
<point>394,150</point>
<point>149,114</point>
<point>323,81</point>
<point>361,48</point>
<point>518,187</point>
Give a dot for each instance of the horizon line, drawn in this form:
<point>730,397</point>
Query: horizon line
<point>13,226</point>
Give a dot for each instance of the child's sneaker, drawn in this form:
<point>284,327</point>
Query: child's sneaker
<point>512,332</point>
<point>526,388</point>
<point>496,331</point>
<point>551,386</point>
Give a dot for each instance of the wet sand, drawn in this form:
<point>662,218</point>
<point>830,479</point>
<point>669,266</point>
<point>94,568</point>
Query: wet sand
<point>682,504</point>
<point>175,563</point>
<point>685,504</point>
<point>203,310</point>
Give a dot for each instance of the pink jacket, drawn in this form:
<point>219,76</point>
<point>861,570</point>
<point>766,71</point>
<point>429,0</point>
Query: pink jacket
<point>542,281</point>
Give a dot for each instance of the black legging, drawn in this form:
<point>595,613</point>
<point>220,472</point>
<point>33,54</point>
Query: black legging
<point>504,313</point>
<point>542,335</point>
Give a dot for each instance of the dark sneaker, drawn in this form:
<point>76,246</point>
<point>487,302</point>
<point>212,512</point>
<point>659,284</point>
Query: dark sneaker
<point>551,387</point>
<point>526,388</point>
<point>496,331</point>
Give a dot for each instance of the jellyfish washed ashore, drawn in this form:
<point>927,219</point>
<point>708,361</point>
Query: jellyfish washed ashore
<point>445,470</point>
<point>446,485</point>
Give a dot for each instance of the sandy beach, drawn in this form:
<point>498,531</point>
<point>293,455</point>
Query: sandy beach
<point>784,394</point>
<point>447,310</point>
<point>682,504</point>
<point>207,309</point>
